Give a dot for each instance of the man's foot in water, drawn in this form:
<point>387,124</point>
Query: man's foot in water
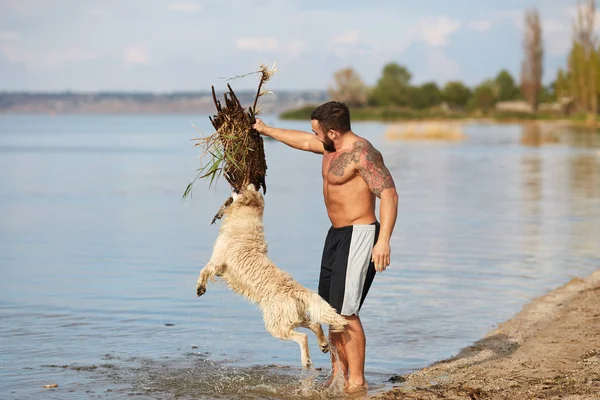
<point>352,389</point>
<point>335,381</point>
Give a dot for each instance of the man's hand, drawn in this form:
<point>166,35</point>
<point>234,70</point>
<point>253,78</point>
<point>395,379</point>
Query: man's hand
<point>381,256</point>
<point>260,126</point>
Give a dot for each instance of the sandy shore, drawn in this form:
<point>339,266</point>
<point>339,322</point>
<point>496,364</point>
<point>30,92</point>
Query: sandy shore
<point>549,350</point>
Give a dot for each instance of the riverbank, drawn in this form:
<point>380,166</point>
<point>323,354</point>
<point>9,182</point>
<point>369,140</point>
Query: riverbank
<point>395,114</point>
<point>549,350</point>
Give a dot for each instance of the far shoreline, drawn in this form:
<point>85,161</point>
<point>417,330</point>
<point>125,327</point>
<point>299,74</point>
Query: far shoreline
<point>488,120</point>
<point>395,115</point>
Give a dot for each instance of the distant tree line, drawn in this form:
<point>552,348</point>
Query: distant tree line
<point>394,88</point>
<point>576,87</point>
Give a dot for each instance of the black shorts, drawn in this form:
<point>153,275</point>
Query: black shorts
<point>346,267</point>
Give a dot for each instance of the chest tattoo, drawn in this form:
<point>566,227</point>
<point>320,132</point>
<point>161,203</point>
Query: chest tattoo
<point>339,164</point>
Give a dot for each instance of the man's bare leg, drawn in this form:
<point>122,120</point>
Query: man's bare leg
<point>339,362</point>
<point>354,344</point>
<point>350,346</point>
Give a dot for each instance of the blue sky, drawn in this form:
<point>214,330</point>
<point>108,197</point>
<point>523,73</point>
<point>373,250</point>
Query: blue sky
<point>172,45</point>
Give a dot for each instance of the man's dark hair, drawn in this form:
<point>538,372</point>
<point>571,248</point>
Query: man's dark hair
<point>332,115</point>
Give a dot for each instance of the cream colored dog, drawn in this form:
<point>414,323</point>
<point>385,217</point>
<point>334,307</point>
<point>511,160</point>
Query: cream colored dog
<point>240,258</point>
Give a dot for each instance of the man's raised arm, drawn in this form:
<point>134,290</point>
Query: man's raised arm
<point>296,139</point>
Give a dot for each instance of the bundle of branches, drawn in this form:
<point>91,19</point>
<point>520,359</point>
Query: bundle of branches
<point>236,149</point>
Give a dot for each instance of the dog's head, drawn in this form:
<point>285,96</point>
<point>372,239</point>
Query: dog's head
<point>248,197</point>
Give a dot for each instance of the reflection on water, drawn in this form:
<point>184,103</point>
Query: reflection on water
<point>99,256</point>
<point>535,134</point>
<point>583,171</point>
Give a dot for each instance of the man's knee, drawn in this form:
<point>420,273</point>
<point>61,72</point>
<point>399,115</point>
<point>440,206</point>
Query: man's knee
<point>336,337</point>
<point>354,322</point>
<point>351,318</point>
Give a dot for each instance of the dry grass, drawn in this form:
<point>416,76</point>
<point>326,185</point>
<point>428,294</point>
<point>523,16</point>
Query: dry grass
<point>235,150</point>
<point>425,131</point>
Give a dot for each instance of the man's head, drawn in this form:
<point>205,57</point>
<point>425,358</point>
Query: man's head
<point>329,121</point>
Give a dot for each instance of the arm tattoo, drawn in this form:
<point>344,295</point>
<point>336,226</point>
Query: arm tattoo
<point>372,169</point>
<point>369,163</point>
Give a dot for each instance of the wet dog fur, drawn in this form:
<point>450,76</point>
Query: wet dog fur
<point>240,258</point>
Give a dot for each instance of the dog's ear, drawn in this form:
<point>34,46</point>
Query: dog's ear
<point>257,199</point>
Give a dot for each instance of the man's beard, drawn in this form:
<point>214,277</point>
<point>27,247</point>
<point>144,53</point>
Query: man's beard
<point>328,145</point>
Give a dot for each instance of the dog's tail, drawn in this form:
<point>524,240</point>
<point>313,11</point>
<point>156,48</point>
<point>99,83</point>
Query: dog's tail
<point>321,311</point>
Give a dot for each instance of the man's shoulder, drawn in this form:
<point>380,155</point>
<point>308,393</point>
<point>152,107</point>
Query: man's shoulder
<point>362,145</point>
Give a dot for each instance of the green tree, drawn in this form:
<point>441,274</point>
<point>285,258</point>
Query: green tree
<point>506,86</point>
<point>548,93</point>
<point>562,84</point>
<point>456,93</point>
<point>349,88</point>
<point>578,87</point>
<point>583,61</point>
<point>485,95</point>
<point>393,88</point>
<point>425,96</point>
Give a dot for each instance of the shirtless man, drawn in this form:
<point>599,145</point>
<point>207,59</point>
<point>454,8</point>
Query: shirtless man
<point>357,245</point>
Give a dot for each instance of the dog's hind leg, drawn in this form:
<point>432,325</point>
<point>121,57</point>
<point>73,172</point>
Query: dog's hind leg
<point>318,330</point>
<point>301,339</point>
<point>208,272</point>
<point>281,327</point>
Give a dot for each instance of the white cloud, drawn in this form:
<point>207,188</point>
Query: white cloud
<point>187,8</point>
<point>554,26</point>
<point>557,37</point>
<point>136,55</point>
<point>293,48</point>
<point>96,11</point>
<point>517,17</point>
<point>435,31</point>
<point>351,44</point>
<point>350,37</point>
<point>442,67</point>
<point>48,58</point>
<point>257,44</point>
<point>8,35</point>
<point>69,55</point>
<point>16,54</point>
<point>27,6</point>
<point>480,25</point>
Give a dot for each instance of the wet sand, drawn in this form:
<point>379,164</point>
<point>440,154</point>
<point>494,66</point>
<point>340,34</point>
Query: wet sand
<point>549,350</point>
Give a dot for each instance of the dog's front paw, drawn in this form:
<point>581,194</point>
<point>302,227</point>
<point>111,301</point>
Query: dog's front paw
<point>324,348</point>
<point>200,290</point>
<point>307,364</point>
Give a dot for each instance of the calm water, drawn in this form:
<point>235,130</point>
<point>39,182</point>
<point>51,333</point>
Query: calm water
<point>99,256</point>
